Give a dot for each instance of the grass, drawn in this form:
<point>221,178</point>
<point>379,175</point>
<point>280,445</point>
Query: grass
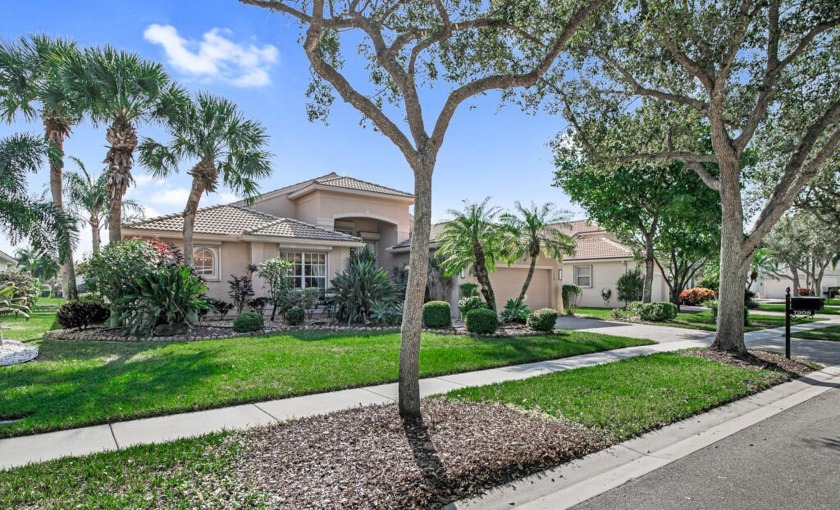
<point>698,320</point>
<point>624,399</point>
<point>41,320</point>
<point>632,396</point>
<point>773,307</point>
<point>84,383</point>
<point>831,333</point>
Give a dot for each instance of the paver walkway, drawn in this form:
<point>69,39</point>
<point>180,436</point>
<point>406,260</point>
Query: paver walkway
<point>19,451</point>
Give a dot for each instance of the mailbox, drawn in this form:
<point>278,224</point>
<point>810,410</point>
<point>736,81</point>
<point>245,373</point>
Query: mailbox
<point>806,303</point>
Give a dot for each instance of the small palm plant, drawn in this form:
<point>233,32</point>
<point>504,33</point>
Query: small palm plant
<point>12,303</point>
<point>211,130</point>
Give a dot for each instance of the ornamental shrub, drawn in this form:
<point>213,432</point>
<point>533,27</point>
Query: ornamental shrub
<point>248,322</point>
<point>82,312</point>
<point>804,291</point>
<point>543,319</point>
<point>360,285</point>
<point>466,304</point>
<point>630,286</point>
<point>295,316</point>
<point>437,315</point>
<point>482,321</point>
<point>25,286</point>
<point>515,312</point>
<point>171,297</point>
<point>469,289</point>
<point>658,312</point>
<point>571,297</point>
<point>696,296</point>
<point>386,313</point>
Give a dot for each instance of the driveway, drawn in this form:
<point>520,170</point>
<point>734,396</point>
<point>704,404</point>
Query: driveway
<point>660,334</point>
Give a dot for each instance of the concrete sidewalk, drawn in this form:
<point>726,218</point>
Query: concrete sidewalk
<point>22,450</point>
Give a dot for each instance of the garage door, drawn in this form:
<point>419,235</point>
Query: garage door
<point>507,283</point>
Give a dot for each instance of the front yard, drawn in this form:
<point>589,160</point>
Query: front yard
<point>831,333</point>
<point>776,307</point>
<point>698,320</point>
<point>74,384</point>
<point>366,457</point>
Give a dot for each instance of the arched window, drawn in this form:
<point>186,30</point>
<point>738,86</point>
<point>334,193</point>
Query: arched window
<point>205,262</point>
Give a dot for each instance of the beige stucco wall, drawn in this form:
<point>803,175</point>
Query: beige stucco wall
<point>278,205</point>
<point>606,274</point>
<point>768,288</point>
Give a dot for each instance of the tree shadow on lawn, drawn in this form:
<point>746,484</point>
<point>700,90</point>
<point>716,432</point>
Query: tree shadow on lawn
<point>50,397</point>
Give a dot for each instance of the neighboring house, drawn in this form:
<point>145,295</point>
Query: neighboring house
<point>770,288</point>
<point>315,224</point>
<point>7,261</point>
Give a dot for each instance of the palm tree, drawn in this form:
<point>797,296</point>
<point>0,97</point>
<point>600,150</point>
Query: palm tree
<point>211,130</point>
<point>39,265</point>
<point>87,197</point>
<point>30,85</point>
<point>122,90</point>
<point>23,216</point>
<point>531,234</point>
<point>472,239</point>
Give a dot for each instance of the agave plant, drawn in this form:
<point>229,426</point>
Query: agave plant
<point>12,303</point>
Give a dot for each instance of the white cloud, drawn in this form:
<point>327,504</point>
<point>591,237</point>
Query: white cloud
<point>170,197</point>
<point>144,179</point>
<point>215,56</point>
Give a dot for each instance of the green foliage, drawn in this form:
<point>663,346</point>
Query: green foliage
<point>465,304</point>
<point>543,319</point>
<point>11,303</point>
<point>295,316</point>
<point>258,304</point>
<point>384,313</point>
<point>482,321</point>
<point>437,315</point>
<point>658,312</point>
<point>82,312</point>
<point>24,286</point>
<point>248,322</point>
<point>275,272</point>
<point>112,271</point>
<point>359,285</point>
<point>170,295</point>
<point>571,297</point>
<point>630,286</point>
<point>469,289</point>
<point>515,312</point>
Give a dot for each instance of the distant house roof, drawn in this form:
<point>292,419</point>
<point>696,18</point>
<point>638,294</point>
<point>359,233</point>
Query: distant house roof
<point>594,248</point>
<point>433,235</point>
<point>234,220</point>
<point>8,258</point>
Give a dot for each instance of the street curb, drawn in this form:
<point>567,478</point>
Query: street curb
<point>575,482</point>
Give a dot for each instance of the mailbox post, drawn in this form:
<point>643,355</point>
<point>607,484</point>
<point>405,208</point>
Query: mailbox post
<point>787,323</point>
<point>805,306</point>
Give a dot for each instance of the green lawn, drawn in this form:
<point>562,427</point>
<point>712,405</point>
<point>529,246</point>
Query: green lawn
<point>632,396</point>
<point>623,398</point>
<point>41,319</point>
<point>831,333</point>
<point>83,383</point>
<point>773,307</point>
<point>698,320</point>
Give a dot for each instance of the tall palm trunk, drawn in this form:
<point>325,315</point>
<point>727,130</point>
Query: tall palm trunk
<point>95,232</point>
<point>122,140</point>
<point>205,176</point>
<point>528,278</point>
<point>55,132</point>
<point>483,276</point>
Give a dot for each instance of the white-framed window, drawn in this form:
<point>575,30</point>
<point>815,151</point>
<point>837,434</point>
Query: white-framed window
<point>583,276</point>
<point>205,262</point>
<point>309,269</point>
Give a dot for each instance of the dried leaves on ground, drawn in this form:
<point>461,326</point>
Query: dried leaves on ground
<point>755,360</point>
<point>370,458</point>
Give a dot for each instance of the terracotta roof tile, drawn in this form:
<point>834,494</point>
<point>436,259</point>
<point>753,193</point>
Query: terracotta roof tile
<point>339,181</point>
<point>294,229</point>
<point>436,230</point>
<point>594,248</point>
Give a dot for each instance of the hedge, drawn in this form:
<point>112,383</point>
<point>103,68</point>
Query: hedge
<point>482,321</point>
<point>248,322</point>
<point>543,319</point>
<point>437,314</point>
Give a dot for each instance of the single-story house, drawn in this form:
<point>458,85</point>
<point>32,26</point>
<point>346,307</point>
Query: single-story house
<point>7,261</point>
<point>774,288</point>
<point>315,224</point>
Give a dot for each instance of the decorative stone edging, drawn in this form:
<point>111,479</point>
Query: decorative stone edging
<point>208,331</point>
<point>13,352</point>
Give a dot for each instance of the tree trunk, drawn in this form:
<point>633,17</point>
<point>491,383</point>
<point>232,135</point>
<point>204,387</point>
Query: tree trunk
<point>122,140</point>
<point>647,294</point>
<point>55,132</point>
<point>95,232</point>
<point>418,266</point>
<point>795,279</point>
<point>189,220</point>
<point>483,276</point>
<point>527,283</point>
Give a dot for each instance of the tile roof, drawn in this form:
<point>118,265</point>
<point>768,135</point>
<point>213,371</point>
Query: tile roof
<point>436,230</point>
<point>236,220</point>
<point>339,181</point>
<point>577,227</point>
<point>593,248</point>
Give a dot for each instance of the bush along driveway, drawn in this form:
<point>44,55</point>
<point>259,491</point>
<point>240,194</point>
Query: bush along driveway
<point>469,440</point>
<point>85,383</point>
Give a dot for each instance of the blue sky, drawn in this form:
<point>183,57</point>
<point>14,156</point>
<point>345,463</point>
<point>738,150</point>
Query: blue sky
<point>253,57</point>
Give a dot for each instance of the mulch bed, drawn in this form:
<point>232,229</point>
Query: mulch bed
<point>756,360</point>
<point>368,457</point>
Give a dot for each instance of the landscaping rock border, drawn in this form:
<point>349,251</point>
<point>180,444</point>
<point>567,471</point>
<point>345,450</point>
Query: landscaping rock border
<point>215,330</point>
<point>13,352</point>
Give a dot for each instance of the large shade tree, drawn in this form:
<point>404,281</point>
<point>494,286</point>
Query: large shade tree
<point>532,231</point>
<point>660,78</point>
<point>87,199</point>
<point>30,85</point>
<point>472,240</point>
<point>211,131</point>
<point>806,246</point>
<point>121,90</point>
<point>22,215</point>
<point>465,49</point>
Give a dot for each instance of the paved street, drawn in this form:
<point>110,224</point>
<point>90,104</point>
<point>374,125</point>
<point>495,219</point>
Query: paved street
<point>791,460</point>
